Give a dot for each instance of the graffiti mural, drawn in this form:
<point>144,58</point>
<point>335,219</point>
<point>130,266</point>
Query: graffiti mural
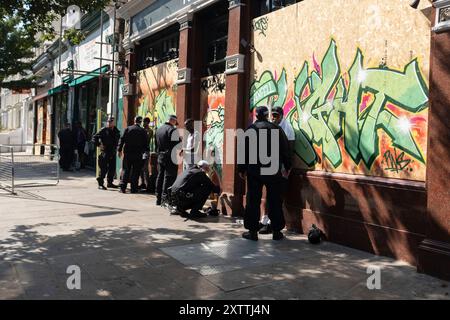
<point>156,96</point>
<point>364,120</point>
<point>213,108</point>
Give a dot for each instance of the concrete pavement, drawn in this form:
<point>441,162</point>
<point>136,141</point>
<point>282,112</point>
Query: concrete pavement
<point>127,248</point>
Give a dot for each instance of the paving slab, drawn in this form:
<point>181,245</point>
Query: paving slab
<point>128,248</point>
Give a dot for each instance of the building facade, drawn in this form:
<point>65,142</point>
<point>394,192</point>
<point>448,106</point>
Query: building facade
<point>79,82</point>
<point>361,82</point>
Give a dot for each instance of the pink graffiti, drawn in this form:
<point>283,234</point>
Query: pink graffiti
<point>316,65</point>
<point>416,120</point>
<point>364,103</point>
<point>306,93</point>
<point>288,106</point>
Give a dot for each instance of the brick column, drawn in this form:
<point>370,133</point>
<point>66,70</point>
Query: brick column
<point>184,69</point>
<point>434,251</point>
<point>235,103</point>
<point>129,88</point>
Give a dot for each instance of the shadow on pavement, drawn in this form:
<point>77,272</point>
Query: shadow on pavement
<point>132,263</point>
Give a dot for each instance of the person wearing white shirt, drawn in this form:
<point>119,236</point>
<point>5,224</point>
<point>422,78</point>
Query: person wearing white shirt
<point>192,143</point>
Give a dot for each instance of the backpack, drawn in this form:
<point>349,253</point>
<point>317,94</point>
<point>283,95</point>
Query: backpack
<point>314,235</point>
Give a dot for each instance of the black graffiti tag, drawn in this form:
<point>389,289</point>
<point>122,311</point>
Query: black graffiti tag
<point>395,162</point>
<point>261,25</point>
<point>216,83</point>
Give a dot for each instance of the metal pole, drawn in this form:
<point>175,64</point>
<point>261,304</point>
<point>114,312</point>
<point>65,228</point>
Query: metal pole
<point>113,80</point>
<point>60,40</point>
<point>99,102</point>
<point>12,170</point>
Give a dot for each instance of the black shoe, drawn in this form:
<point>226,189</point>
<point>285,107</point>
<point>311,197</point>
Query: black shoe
<point>277,235</point>
<point>197,214</point>
<point>212,212</point>
<point>133,191</point>
<point>123,190</point>
<point>112,186</point>
<point>102,187</point>
<point>250,235</point>
<point>158,202</point>
<point>178,212</point>
<point>266,229</point>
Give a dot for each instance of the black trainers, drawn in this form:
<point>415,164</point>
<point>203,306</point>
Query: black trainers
<point>277,235</point>
<point>123,190</point>
<point>112,186</point>
<point>250,235</point>
<point>266,229</point>
<point>197,214</point>
<point>102,187</point>
<point>212,212</point>
<point>179,212</point>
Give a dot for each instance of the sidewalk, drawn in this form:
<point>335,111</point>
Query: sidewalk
<point>127,248</point>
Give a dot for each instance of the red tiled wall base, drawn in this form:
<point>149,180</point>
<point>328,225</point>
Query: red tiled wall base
<point>382,217</point>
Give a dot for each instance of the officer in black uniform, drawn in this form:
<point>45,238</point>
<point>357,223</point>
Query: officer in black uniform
<point>107,139</point>
<point>66,147</point>
<point>259,174</point>
<point>191,189</point>
<point>167,138</point>
<point>134,143</point>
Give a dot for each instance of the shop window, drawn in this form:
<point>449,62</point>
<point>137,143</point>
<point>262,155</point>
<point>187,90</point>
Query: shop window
<point>265,6</point>
<point>159,48</point>
<point>214,38</point>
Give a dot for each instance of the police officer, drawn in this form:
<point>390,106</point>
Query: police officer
<point>259,173</point>
<point>134,143</point>
<point>191,189</point>
<point>167,138</point>
<point>107,139</point>
<point>278,119</point>
<point>145,175</point>
<point>66,147</point>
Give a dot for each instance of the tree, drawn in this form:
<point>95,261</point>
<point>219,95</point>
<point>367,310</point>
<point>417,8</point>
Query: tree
<point>22,21</point>
<point>16,51</point>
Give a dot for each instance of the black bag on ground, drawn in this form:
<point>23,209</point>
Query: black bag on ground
<point>314,235</point>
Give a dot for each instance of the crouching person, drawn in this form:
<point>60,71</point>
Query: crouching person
<point>191,189</point>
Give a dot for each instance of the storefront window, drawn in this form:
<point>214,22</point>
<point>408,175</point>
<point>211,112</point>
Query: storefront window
<point>265,6</point>
<point>159,48</point>
<point>214,23</point>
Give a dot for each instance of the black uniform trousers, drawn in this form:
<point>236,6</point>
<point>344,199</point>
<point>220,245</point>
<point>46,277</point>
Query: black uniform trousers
<point>167,174</point>
<point>275,186</point>
<point>131,169</point>
<point>107,165</point>
<point>193,199</point>
<point>66,157</point>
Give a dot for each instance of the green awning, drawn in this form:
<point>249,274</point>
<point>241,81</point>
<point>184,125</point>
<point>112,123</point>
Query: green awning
<point>57,89</point>
<point>92,75</point>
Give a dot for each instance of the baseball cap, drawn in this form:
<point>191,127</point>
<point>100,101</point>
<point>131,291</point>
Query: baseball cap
<point>202,163</point>
<point>277,110</point>
<point>173,117</point>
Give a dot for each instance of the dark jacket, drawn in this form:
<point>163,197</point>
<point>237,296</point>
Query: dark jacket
<point>255,167</point>
<point>107,139</point>
<point>192,179</point>
<point>167,138</point>
<point>134,141</point>
<point>66,139</point>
